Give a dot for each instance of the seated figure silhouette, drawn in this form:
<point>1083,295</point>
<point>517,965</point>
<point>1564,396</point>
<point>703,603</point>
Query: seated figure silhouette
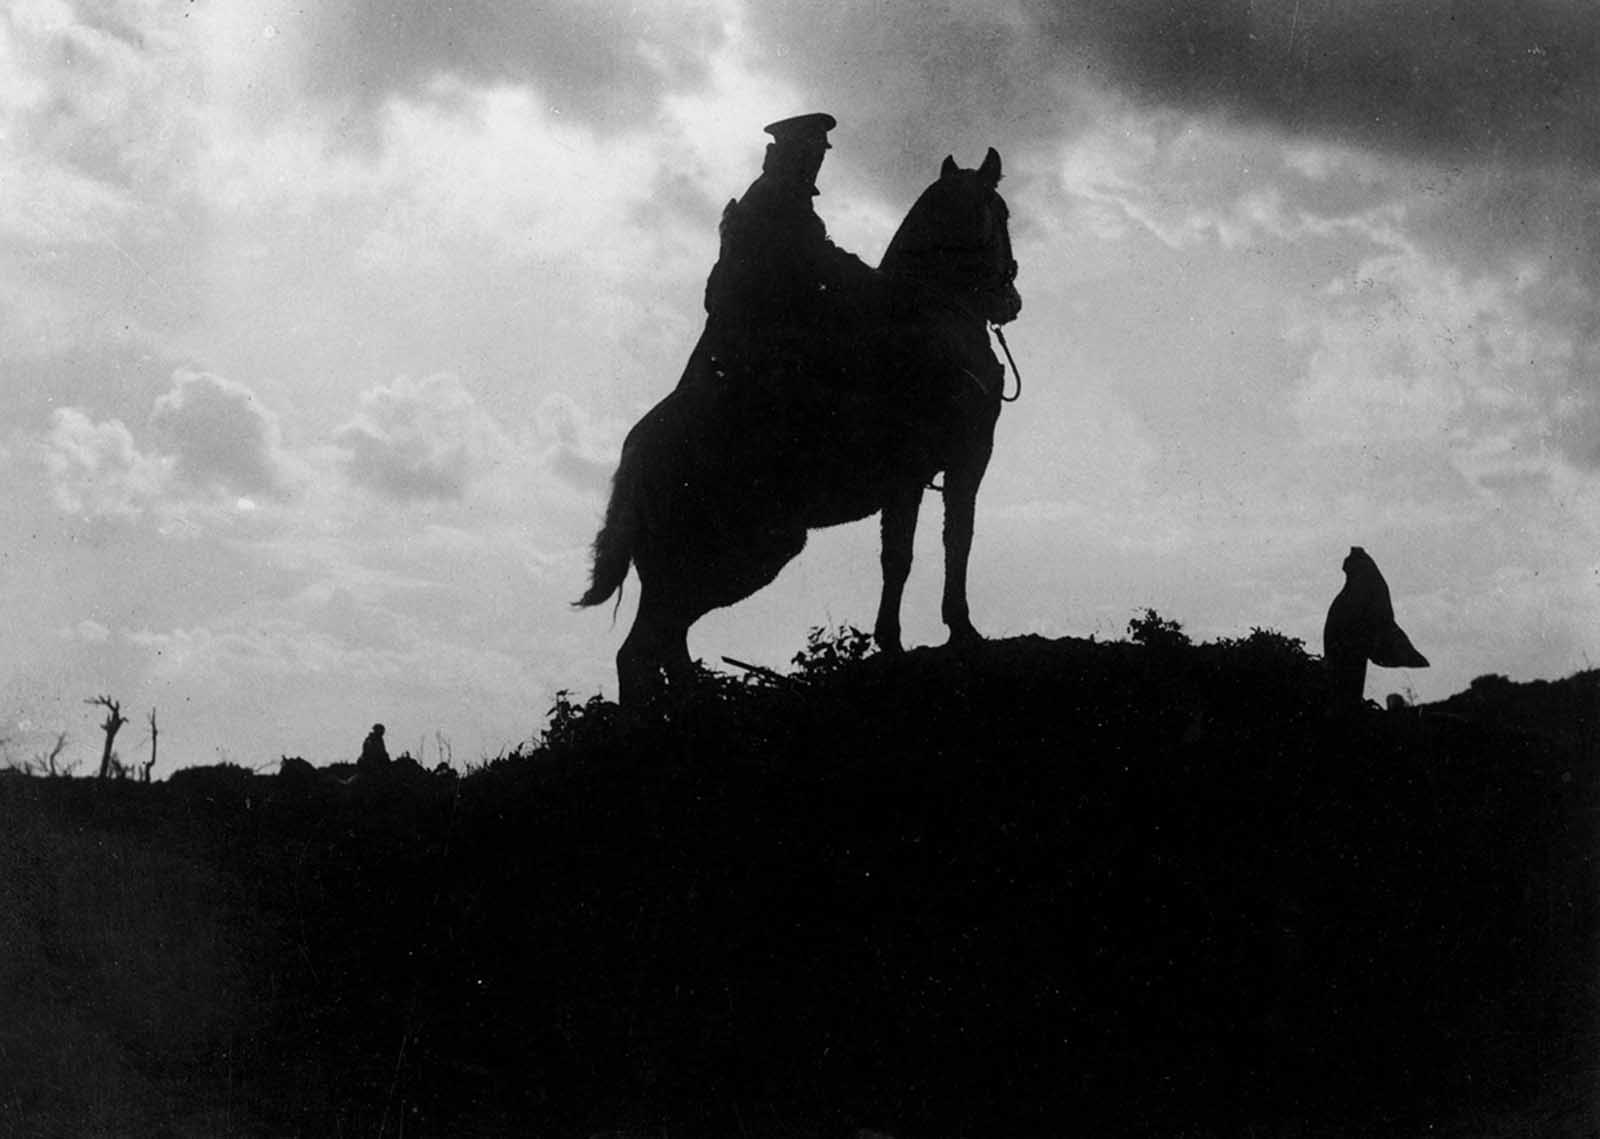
<point>1360,628</point>
<point>783,300</point>
<point>374,755</point>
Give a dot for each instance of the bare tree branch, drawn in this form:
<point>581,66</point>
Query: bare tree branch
<point>112,724</point>
<point>49,760</point>
<point>144,772</point>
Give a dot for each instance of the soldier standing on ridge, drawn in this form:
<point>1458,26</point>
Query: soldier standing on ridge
<point>374,755</point>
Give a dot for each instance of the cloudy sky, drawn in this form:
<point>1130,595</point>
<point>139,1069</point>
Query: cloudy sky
<point>321,325</point>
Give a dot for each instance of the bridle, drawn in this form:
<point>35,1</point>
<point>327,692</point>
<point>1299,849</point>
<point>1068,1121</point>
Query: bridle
<point>988,283</point>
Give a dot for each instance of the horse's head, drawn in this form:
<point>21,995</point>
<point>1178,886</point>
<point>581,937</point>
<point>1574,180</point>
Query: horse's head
<point>957,237</point>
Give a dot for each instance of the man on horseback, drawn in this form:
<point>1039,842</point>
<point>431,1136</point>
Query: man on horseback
<point>720,481</point>
<point>782,295</point>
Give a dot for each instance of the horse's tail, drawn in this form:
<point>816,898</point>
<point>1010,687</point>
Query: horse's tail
<point>613,546</point>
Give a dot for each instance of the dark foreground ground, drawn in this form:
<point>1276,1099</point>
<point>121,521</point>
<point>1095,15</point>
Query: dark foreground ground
<point>1053,888</point>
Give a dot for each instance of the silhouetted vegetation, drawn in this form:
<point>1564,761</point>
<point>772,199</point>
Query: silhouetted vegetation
<point>1155,631</point>
<point>827,652</point>
<point>1031,888</point>
<point>45,763</point>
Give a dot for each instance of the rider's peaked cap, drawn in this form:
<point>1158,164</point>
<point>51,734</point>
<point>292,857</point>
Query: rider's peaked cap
<point>802,128</point>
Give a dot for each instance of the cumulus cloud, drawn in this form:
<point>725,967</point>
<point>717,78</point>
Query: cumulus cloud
<point>421,440</point>
<point>208,437</point>
<point>220,435</point>
<point>97,470</point>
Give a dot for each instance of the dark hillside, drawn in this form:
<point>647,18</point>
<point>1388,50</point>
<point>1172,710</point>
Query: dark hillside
<point>1047,888</point>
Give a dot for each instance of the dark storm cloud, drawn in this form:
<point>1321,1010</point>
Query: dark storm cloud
<point>1462,81</point>
<point>607,62</point>
<point>1451,78</point>
<point>1541,224</point>
<point>911,81</point>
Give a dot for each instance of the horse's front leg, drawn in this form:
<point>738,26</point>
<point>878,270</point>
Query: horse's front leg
<point>899,535</point>
<point>961,482</point>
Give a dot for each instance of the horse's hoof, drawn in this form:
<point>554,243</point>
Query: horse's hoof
<point>965,637</point>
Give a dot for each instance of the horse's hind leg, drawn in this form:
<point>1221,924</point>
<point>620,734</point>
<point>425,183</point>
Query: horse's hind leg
<point>899,536</point>
<point>676,593</point>
<point>638,671</point>
<point>657,643</point>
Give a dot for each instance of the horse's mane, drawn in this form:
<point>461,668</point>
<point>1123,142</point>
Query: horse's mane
<point>918,237</point>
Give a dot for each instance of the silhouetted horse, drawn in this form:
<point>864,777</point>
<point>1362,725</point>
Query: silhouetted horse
<point>719,482</point>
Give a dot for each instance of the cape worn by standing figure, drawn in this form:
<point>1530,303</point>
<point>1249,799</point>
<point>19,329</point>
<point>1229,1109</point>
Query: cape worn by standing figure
<point>1361,628</point>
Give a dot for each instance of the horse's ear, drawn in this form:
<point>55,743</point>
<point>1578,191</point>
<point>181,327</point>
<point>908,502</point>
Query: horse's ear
<point>949,168</point>
<point>989,172</point>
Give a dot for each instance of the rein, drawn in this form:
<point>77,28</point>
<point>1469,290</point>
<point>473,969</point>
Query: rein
<point>1012,360</point>
<point>942,297</point>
